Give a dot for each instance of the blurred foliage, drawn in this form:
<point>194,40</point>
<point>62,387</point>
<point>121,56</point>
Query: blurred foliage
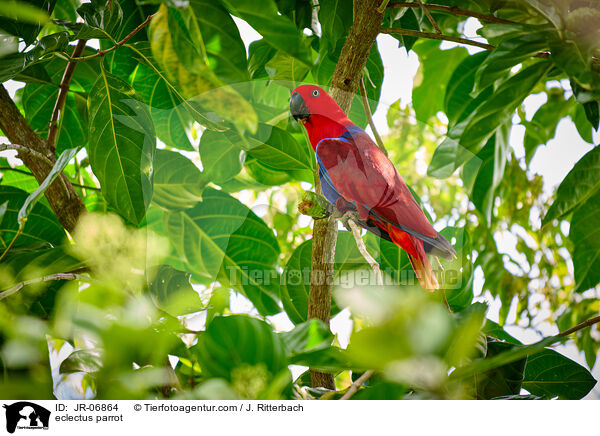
<point>191,169</point>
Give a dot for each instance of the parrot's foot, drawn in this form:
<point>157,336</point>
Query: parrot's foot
<point>350,219</point>
<point>347,216</point>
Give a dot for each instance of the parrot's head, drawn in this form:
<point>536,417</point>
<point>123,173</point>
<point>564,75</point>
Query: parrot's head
<point>318,112</point>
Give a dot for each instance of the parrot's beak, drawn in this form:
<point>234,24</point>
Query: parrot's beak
<point>298,107</point>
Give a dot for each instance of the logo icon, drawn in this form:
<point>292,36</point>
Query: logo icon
<point>26,415</point>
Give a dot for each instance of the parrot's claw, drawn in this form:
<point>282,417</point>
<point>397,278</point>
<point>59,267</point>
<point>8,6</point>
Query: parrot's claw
<point>350,215</point>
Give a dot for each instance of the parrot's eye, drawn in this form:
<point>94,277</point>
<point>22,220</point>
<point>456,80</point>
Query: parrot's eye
<point>315,93</point>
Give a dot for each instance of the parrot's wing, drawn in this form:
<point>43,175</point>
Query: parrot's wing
<point>363,174</point>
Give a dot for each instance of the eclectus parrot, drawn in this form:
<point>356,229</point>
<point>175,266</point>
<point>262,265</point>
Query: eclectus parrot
<point>357,176</point>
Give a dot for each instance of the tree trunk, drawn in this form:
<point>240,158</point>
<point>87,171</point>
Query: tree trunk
<point>63,199</point>
<point>346,77</point>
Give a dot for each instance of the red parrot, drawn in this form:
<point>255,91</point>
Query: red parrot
<point>356,175</point>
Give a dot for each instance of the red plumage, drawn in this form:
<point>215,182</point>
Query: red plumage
<point>353,167</point>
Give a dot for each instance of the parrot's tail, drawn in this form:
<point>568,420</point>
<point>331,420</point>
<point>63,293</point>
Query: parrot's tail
<point>424,272</point>
<point>417,256</point>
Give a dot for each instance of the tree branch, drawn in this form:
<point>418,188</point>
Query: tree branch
<point>365,102</point>
<point>346,77</point>
<point>65,202</point>
<point>452,10</point>
<point>100,53</point>
<point>22,149</point>
<point>357,383</point>
<point>62,95</point>
<point>59,276</point>
<point>439,37</point>
<point>429,17</point>
<point>28,151</point>
<point>27,173</point>
<point>583,325</point>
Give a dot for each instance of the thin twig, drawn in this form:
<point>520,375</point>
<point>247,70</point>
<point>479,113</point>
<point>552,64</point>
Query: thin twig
<point>59,276</point>
<point>365,102</point>
<point>26,150</point>
<point>357,383</point>
<point>12,242</point>
<point>382,6</point>
<point>118,44</point>
<point>62,95</point>
<point>18,170</point>
<point>453,10</point>
<point>429,35</point>
<point>429,17</point>
<point>583,325</point>
<point>456,39</point>
<point>350,221</point>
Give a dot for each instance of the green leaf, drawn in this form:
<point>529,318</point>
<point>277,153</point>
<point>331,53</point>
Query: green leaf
<point>121,146</point>
<point>436,67</point>
<point>456,278</point>
<point>103,15</point>
<point>178,183</point>
<point>222,239</point>
<point>39,100</point>
<point>492,160</point>
<point>222,156</point>
<point>308,336</point>
<point>38,259</point>
<point>178,48</point>
<point>503,380</point>
<point>548,10</point>
<point>173,291</point>
<point>22,11</point>
<point>517,353</point>
<point>468,137</point>
<point>458,96</point>
<point>171,112</point>
<point>41,226</point>
<point>499,108</point>
<point>32,262</point>
<point>224,47</point>
<point>335,18</point>
<point>85,360</point>
<point>495,330</point>
<point>584,233</point>
<point>507,54</point>
<point>239,341</point>
<point>582,124</point>
<point>278,149</point>
<point>276,29</point>
<point>550,374</point>
<point>542,126</point>
<point>282,66</point>
<point>120,62</point>
<point>408,20</point>
<point>577,187</point>
<point>169,115</point>
<point>35,196</point>
<point>26,182</point>
<point>14,64</point>
<point>25,18</point>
